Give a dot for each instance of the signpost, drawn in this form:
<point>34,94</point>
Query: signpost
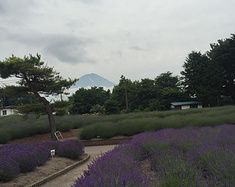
<point>52,153</point>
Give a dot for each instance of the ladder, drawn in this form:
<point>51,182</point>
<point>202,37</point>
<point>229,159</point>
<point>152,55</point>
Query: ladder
<point>58,135</point>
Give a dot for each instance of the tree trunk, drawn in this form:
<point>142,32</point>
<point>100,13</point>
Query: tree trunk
<point>51,121</point>
<point>48,108</point>
<point>51,118</point>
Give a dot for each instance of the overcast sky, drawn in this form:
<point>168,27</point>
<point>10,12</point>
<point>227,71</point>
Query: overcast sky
<point>135,38</point>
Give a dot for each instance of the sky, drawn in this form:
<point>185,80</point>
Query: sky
<point>135,38</point>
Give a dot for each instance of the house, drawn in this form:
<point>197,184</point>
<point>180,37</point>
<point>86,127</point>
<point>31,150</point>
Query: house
<point>8,110</point>
<point>185,105</point>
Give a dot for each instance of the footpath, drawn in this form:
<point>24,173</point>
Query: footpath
<point>68,179</point>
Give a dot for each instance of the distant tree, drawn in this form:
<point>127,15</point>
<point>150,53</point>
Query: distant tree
<point>167,80</point>
<point>97,109</point>
<point>61,108</point>
<point>147,92</point>
<point>84,99</point>
<point>170,90</point>
<point>223,55</point>
<point>4,100</point>
<point>20,99</point>
<point>37,78</point>
<point>111,107</point>
<point>125,88</point>
<point>202,78</point>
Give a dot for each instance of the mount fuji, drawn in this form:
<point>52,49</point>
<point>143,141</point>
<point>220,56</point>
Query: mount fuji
<point>91,80</point>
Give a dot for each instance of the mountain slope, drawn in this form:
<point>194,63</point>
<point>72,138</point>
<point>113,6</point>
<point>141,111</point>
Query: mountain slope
<point>91,80</point>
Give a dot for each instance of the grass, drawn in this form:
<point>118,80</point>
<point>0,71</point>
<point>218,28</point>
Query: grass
<point>106,126</point>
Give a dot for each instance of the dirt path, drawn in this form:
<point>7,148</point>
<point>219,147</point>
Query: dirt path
<point>44,137</point>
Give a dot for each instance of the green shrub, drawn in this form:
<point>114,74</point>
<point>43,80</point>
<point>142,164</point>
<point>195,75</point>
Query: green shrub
<point>108,130</point>
<point>13,127</point>
<point>111,107</point>
<point>88,133</point>
<point>4,137</point>
<point>76,125</point>
<point>64,127</point>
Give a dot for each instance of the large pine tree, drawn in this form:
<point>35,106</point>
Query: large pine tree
<point>37,78</point>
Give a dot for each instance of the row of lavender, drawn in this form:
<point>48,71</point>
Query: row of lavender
<point>16,158</point>
<point>178,157</point>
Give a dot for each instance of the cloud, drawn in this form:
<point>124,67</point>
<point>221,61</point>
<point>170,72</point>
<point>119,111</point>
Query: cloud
<point>65,48</point>
<point>68,49</point>
<point>136,48</point>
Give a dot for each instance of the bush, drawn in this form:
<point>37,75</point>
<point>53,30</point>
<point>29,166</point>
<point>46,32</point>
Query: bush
<point>76,125</point>
<point>9,169</point>
<point>70,149</point>
<point>190,156</point>
<point>41,153</point>
<point>88,133</point>
<point>107,130</point>
<point>16,158</point>
<point>4,137</point>
<point>114,168</point>
<point>111,107</point>
<point>64,127</point>
<point>27,161</point>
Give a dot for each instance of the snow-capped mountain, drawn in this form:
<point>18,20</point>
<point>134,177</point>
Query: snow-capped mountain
<point>91,80</point>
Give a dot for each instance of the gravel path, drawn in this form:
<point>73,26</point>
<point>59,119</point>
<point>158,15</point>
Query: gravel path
<point>69,178</point>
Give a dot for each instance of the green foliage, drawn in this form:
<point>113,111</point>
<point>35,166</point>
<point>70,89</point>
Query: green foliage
<point>7,99</point>
<point>38,109</point>
<point>4,136</point>
<point>202,78</point>
<point>61,107</point>
<point>97,109</point>
<point>84,99</point>
<point>34,78</point>
<point>223,55</point>
<point>64,127</point>
<point>149,95</point>
<point>135,123</point>
<point>12,127</point>
<point>167,80</point>
<point>210,75</point>
<point>111,107</point>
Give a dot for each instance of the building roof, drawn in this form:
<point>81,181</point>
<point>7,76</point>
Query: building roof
<point>186,103</point>
<point>8,107</point>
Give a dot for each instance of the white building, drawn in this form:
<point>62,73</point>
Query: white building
<point>8,110</point>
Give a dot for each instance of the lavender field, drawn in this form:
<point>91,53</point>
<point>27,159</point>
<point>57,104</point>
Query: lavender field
<point>191,156</point>
<point>16,158</point>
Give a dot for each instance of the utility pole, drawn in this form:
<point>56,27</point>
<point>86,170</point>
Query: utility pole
<point>125,92</point>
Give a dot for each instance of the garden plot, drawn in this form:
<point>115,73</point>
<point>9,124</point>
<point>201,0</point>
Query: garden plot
<point>190,156</point>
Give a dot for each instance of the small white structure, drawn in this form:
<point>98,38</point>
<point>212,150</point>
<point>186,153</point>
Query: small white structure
<point>185,105</point>
<point>8,110</point>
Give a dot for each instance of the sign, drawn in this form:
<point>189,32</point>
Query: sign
<point>52,153</point>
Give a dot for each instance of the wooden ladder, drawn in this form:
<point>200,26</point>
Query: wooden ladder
<point>58,135</point>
